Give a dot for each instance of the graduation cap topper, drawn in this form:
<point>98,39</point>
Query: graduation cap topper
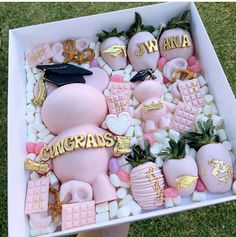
<point>142,75</point>
<point>59,75</point>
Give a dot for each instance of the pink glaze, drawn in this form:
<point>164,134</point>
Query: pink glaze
<point>68,106</point>
<point>171,193</point>
<point>117,78</point>
<point>192,60</point>
<point>114,166</point>
<point>30,147</point>
<point>149,137</point>
<point>148,92</point>
<point>38,147</point>
<point>99,79</point>
<point>195,68</point>
<point>124,176</point>
<point>161,62</point>
<point>200,187</point>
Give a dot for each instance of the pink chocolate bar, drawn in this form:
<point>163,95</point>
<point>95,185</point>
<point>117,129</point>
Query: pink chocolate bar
<point>78,214</point>
<point>190,92</point>
<point>37,196</point>
<point>184,117</point>
<point>39,55</point>
<point>118,101</point>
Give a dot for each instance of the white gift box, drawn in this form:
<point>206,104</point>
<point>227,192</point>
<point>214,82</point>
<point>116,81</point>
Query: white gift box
<point>26,38</point>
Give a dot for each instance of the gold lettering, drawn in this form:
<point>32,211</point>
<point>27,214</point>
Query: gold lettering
<point>91,143</point>
<point>140,49</point>
<point>59,147</point>
<point>151,45</point>
<point>44,154</point>
<point>69,144</point>
<point>79,142</point>
<point>109,140</point>
<point>100,140</point>
<point>166,44</point>
<point>175,41</point>
<point>185,41</point>
<point>53,152</point>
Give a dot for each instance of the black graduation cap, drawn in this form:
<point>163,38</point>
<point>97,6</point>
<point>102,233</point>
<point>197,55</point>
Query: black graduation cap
<point>142,75</point>
<point>63,74</point>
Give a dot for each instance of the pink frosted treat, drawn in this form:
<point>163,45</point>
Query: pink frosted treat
<point>153,109</point>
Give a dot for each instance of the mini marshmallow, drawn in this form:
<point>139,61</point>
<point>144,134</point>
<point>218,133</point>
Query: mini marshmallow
<point>136,121</point>
<point>201,118</point>
<point>127,77</point>
<point>198,196</point>
<point>29,97</point>
<point>130,102</point>
<point>38,126</point>
<point>134,141</point>
<point>217,120</point>
<point>113,209</point>
<point>135,102</point>
<point>48,138</point>
<point>141,143</point>
<point>192,152</point>
<point>166,143</point>
<point>134,207</point>
<point>227,145</point>
<point>52,178</point>
<point>107,69</point>
<point>122,160</point>
<point>131,110</point>
<point>133,73</point>
<point>102,207</point>
<point>115,180</point>
<point>128,69</point>
<point>159,137</point>
<point>27,67</point>
<point>169,116</point>
<point>213,109</point>
<point>159,162</point>
<point>31,156</point>
<point>125,200</point>
<point>187,148</point>
<point>29,87</point>
<point>174,135</point>
<point>30,129</point>
<point>168,202</point>
<point>102,217</point>
<point>101,62</point>
<point>204,90</point>
<point>118,72</point>
<point>201,81</point>
<point>29,118</point>
<point>222,135</point>
<point>85,65</point>
<point>92,45</point>
<point>121,193</point>
<point>44,133</point>
<point>206,110</point>
<point>168,97</point>
<point>123,212</point>
<point>32,137</point>
<point>36,70</point>
<point>30,109</point>
<point>130,131</point>
<point>234,187</point>
<point>208,99</point>
<point>124,185</point>
<point>31,78</point>
<point>34,175</point>
<point>97,49</point>
<point>42,231</point>
<point>155,149</point>
<point>177,200</point>
<point>37,76</point>
<point>107,92</point>
<point>38,117</point>
<point>127,168</point>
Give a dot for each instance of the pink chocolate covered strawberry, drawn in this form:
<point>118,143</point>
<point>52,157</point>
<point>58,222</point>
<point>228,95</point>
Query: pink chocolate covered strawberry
<point>143,49</point>
<point>113,49</point>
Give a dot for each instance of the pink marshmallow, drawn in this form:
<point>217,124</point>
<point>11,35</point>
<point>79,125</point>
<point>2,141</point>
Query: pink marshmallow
<point>30,147</point>
<point>195,68</point>
<point>113,165</point>
<point>171,193</point>
<point>123,176</point>
<point>149,137</point>
<point>38,147</point>
<point>200,187</point>
<point>192,61</point>
<point>161,62</point>
<point>117,78</point>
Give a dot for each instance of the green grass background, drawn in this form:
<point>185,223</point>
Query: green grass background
<point>220,22</point>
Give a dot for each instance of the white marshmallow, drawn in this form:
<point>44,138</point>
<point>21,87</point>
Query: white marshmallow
<point>127,168</point>
<point>217,120</point>
<point>130,102</point>
<point>166,143</point>
<point>125,200</point>
<point>48,138</point>
<point>234,187</point>
<point>134,141</point>
<point>227,145</point>
<point>207,110</point>
<point>38,117</point>
<point>29,97</point>
<point>92,45</point>
<point>201,81</point>
<point>208,99</point>
<point>118,72</point>
<point>115,180</point>
<point>174,135</point>
<point>192,152</point>
<point>113,209</point>
<point>155,149</point>
<point>213,109</point>
<point>30,109</point>
<point>27,67</point>
<point>130,131</point>
<point>102,207</point>
<point>107,92</point>
<point>52,178</point>
<point>198,196</point>
<point>30,129</point>
<point>29,118</point>
<point>32,137</point>
<point>233,158</point>
<point>168,97</point>
<point>122,160</point>
<point>34,175</point>
<point>85,65</point>
<point>134,207</point>
<point>128,69</point>
<point>159,161</point>
<point>36,70</point>
<point>204,90</point>
<point>187,148</point>
<point>31,156</point>
<point>133,73</point>
<point>122,193</point>
<point>131,110</point>
<point>37,76</point>
<point>31,78</point>
<point>141,143</point>
<point>159,137</point>
<point>169,116</point>
<point>107,69</point>
<point>135,102</point>
<point>136,121</point>
<point>42,231</point>
<point>101,62</point>
<point>177,200</point>
<point>38,126</point>
<point>127,77</point>
<point>222,135</point>
<point>168,202</point>
<point>165,89</point>
<point>123,212</point>
<point>29,87</point>
<point>43,134</point>
<point>97,49</point>
<point>102,217</point>
<point>124,185</point>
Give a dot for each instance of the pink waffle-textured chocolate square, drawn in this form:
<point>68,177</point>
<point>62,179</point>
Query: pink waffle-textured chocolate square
<point>39,55</point>
<point>37,195</point>
<point>78,214</point>
<point>184,117</point>
<point>190,92</point>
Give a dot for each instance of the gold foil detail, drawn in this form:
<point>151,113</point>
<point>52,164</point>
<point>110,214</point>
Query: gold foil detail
<point>122,145</point>
<point>41,94</point>
<point>150,46</point>
<point>115,50</point>
<point>173,42</point>
<point>186,181</point>
<point>221,171</point>
<point>36,166</point>
<point>140,49</point>
<point>202,172</point>
<point>152,106</point>
<point>185,41</point>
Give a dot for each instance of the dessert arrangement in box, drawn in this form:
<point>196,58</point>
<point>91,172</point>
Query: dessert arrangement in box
<point>120,126</point>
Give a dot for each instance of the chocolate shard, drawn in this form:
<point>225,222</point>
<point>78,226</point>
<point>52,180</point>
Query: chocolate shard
<point>142,75</point>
